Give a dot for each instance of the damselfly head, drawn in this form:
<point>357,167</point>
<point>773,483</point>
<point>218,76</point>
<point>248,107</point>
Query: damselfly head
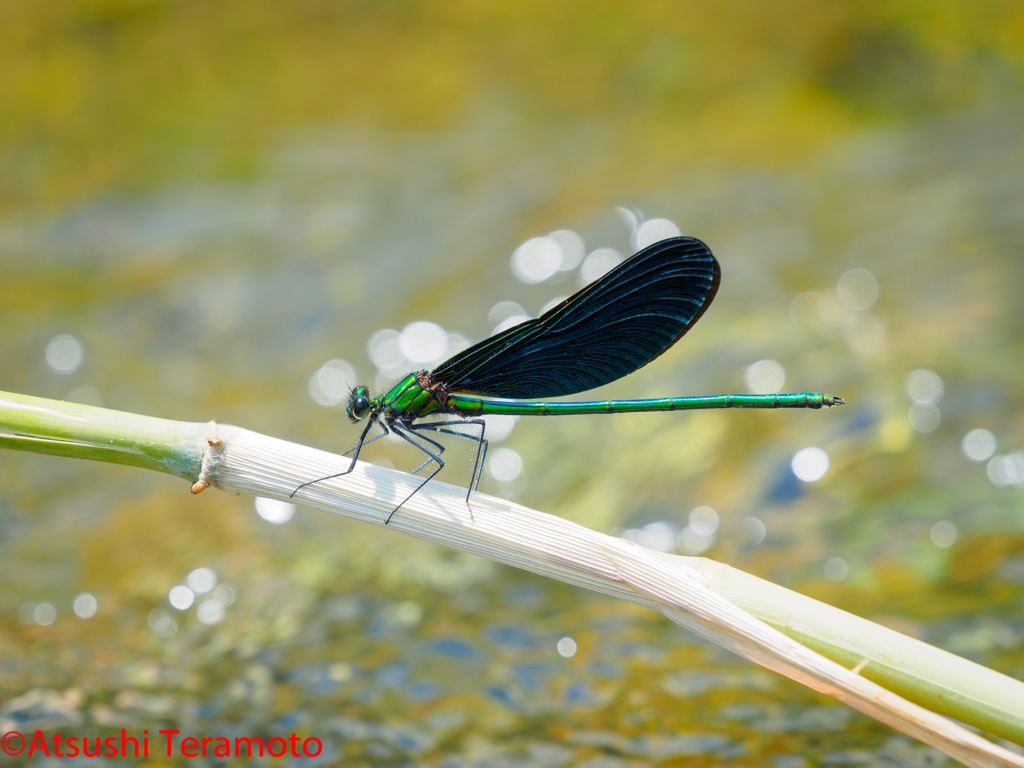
<point>358,404</point>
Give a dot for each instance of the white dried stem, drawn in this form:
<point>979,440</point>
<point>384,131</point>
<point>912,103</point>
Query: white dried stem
<point>246,462</point>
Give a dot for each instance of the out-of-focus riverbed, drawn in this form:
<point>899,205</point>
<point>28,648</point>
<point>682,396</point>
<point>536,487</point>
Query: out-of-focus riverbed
<point>237,216</point>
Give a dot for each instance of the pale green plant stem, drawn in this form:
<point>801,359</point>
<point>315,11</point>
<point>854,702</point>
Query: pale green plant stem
<point>745,614</point>
<point>84,432</point>
<point>922,673</point>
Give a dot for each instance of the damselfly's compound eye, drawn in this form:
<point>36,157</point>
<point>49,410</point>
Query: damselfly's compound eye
<point>358,404</point>
<point>360,407</point>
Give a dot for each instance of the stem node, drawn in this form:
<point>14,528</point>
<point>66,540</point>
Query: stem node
<point>212,457</point>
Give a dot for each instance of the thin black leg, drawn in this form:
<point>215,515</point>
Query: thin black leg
<point>480,462</point>
<point>434,456</point>
<point>481,447</point>
<point>362,442</point>
<point>421,466</point>
<point>437,445</point>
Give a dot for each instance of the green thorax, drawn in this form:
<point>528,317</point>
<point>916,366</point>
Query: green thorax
<point>407,399</point>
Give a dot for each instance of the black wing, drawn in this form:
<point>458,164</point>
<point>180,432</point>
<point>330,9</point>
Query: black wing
<point>609,329</point>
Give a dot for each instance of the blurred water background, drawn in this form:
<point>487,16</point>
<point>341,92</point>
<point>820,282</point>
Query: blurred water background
<point>237,210</point>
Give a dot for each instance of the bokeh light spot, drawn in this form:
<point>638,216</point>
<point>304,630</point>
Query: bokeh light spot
<point>630,217</point>
<point>573,248</point>
<point>332,382</point>
<point>274,511</point>
<point>598,263</point>
<point>201,580</point>
<point>923,386</point>
<point>64,353</point>
<point>753,530</point>
<point>210,612</point>
<point>504,464</point>
<point>456,343</point>
<point>383,349</point>
<point>978,445</point>
<point>834,312</point>
<point>836,569</point>
<point>181,597</point>
<point>805,308</point>
<point>654,231</point>
<point>657,536</point>
<point>423,342</point>
<point>44,614</point>
<point>84,605</point>
<point>810,464</point>
<point>503,310</point>
<point>223,594</point>
<point>765,377</point>
<point>509,322</point>
<point>498,427</point>
<point>536,260</point>
<point>858,289</point>
<point>944,534</point>
<point>925,417</point>
<point>690,542</point>
<point>1007,470</point>
<point>704,520</point>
